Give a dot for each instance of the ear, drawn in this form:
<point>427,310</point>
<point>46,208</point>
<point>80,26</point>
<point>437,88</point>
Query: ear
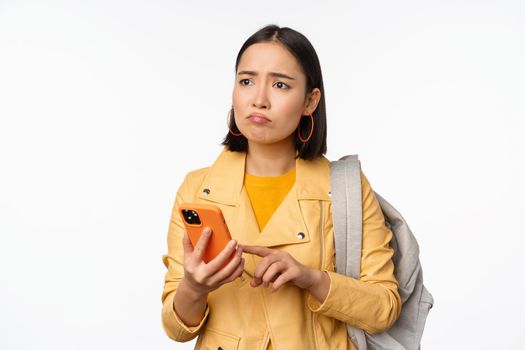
<point>312,100</point>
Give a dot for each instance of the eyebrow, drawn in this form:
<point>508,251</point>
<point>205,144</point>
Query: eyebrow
<point>273,74</point>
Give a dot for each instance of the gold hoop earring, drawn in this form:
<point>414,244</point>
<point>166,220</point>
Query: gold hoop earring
<point>228,123</point>
<point>311,130</point>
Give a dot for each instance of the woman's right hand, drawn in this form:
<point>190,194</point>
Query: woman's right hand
<point>202,277</point>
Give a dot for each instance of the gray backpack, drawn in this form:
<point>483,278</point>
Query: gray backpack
<point>406,332</point>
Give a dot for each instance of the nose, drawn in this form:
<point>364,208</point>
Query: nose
<point>260,98</point>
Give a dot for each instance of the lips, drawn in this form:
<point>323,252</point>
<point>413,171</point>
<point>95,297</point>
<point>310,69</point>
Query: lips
<point>259,118</point>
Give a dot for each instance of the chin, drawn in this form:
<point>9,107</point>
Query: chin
<point>267,141</point>
<point>257,136</point>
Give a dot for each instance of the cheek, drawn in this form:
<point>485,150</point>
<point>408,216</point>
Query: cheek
<point>239,105</point>
<point>235,97</point>
<point>239,96</point>
<point>292,110</point>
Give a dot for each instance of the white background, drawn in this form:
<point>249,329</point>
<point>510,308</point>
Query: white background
<point>105,106</point>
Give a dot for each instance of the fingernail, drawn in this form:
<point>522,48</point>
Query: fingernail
<point>239,251</point>
<point>232,243</point>
<point>207,231</point>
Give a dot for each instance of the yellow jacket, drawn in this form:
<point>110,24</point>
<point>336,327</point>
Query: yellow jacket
<point>241,317</point>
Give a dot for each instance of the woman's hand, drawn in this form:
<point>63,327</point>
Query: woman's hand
<point>280,267</point>
<point>202,277</point>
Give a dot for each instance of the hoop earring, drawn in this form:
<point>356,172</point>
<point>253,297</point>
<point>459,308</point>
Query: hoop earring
<point>311,131</point>
<point>228,123</point>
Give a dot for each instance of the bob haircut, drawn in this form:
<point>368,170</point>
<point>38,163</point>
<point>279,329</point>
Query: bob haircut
<point>301,48</point>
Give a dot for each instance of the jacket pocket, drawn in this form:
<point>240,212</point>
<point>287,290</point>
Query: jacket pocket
<point>215,339</point>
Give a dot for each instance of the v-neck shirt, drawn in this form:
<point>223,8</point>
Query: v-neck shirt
<point>266,194</point>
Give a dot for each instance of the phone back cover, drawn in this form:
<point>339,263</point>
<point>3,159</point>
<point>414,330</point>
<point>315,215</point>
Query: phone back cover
<point>210,216</point>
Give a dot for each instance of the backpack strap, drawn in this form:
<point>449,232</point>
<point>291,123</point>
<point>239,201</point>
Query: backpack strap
<point>345,183</point>
<point>347,217</point>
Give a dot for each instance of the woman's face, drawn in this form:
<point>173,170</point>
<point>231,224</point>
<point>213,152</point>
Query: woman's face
<point>269,94</point>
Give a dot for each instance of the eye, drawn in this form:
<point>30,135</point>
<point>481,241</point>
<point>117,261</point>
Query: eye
<point>282,84</point>
<point>243,80</point>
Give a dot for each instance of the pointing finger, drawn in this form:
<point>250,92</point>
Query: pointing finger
<point>257,250</point>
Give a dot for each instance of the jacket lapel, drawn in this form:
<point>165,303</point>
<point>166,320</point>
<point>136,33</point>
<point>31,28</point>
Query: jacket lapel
<point>223,186</point>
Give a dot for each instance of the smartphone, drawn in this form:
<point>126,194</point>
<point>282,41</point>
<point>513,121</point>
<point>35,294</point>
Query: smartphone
<point>198,216</point>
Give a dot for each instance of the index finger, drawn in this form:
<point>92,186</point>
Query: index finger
<point>186,243</point>
<point>200,247</point>
<point>257,250</point>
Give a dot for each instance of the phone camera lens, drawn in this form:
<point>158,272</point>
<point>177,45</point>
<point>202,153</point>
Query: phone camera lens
<point>191,217</point>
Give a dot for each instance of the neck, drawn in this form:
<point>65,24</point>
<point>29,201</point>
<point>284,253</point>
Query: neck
<point>270,160</point>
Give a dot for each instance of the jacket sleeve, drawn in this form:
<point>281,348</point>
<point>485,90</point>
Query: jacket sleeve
<point>371,303</point>
<point>173,260</point>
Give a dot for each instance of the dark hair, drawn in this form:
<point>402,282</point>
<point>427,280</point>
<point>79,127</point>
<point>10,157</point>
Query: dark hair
<point>305,54</point>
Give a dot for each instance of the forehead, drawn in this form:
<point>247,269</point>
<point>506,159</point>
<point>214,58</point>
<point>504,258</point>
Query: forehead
<point>269,56</point>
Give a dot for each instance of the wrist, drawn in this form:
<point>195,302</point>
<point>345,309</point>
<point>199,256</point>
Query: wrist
<point>316,278</point>
<point>320,285</point>
<point>192,294</point>
<point>189,305</point>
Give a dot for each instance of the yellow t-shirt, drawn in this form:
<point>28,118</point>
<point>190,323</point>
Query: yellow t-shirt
<point>266,193</point>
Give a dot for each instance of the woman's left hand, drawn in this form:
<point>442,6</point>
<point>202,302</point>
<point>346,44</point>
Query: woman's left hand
<point>280,267</point>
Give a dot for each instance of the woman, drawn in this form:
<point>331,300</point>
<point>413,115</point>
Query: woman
<point>272,183</point>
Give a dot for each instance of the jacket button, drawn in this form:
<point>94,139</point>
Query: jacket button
<point>300,235</point>
<point>206,191</point>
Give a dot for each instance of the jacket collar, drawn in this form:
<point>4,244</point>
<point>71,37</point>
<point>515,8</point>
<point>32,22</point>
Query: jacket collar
<point>225,179</point>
